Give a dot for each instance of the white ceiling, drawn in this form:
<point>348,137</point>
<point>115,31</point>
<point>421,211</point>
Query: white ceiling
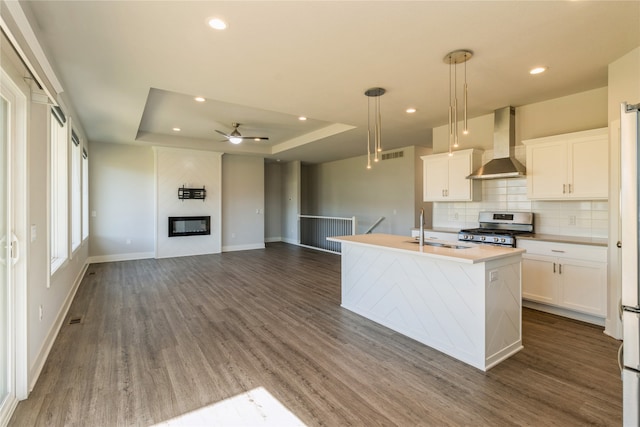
<point>132,68</point>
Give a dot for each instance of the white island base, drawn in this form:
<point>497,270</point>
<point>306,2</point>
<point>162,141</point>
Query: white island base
<point>463,302</point>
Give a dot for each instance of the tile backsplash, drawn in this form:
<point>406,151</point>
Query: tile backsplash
<point>583,218</point>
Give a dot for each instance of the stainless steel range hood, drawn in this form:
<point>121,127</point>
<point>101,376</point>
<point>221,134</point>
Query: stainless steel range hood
<point>503,165</point>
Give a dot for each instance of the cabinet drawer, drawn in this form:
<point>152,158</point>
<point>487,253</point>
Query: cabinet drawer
<point>564,250</point>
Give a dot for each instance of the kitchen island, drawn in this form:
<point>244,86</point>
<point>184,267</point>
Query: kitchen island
<point>459,298</point>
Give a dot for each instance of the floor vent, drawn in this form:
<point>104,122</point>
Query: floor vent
<point>75,320</point>
<point>394,155</point>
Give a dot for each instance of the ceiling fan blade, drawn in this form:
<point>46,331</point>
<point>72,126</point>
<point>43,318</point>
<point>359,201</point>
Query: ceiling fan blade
<point>223,134</point>
<point>261,138</point>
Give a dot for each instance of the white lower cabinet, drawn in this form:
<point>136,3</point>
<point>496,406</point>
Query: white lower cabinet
<point>569,276</point>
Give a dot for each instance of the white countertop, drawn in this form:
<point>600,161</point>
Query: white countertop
<point>440,230</point>
<point>593,241</point>
<point>471,253</point>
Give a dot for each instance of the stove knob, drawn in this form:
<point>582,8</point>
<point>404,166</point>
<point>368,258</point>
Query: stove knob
<point>496,239</point>
<point>503,240</point>
<point>482,238</point>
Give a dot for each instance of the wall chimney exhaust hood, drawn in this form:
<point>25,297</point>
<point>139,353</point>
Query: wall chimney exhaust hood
<point>503,164</point>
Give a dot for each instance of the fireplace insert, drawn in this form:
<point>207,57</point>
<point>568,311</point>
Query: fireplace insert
<point>189,225</point>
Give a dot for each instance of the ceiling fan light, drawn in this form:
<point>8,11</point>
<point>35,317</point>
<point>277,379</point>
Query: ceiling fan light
<point>235,139</point>
<point>217,24</point>
<point>538,70</point>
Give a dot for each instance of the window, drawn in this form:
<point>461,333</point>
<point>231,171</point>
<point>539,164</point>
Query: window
<point>76,191</point>
<point>85,194</point>
<point>58,200</point>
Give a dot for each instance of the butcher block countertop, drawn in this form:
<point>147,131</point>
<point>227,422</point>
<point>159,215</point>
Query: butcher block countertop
<point>461,252</point>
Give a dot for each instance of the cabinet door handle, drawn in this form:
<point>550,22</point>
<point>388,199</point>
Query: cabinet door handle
<point>560,268</point>
<point>554,267</point>
<point>557,250</point>
<point>564,188</point>
<point>569,188</point>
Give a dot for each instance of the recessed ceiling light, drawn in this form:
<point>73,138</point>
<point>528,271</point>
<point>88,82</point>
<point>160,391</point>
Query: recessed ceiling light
<point>199,99</point>
<point>177,129</point>
<point>302,118</point>
<point>217,24</point>
<point>411,110</point>
<point>538,70</point>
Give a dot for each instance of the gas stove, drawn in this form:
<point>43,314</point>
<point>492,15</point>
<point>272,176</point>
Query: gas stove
<point>499,228</point>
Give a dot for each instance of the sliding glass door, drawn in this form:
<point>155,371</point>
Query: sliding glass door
<point>6,329</point>
<point>13,344</point>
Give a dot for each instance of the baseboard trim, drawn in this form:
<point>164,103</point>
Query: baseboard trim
<point>594,320</point>
<point>120,257</point>
<point>43,355</point>
<point>272,239</point>
<point>291,241</point>
<point>249,247</point>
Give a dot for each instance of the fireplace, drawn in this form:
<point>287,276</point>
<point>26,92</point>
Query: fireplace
<point>189,225</point>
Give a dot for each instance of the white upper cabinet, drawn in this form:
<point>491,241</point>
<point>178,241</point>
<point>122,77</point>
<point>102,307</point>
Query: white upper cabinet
<point>569,166</point>
<point>445,176</point>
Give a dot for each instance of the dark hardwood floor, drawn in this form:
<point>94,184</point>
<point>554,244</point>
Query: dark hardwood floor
<point>161,338</point>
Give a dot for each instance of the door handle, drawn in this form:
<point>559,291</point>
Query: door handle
<point>619,244</point>
<point>15,249</point>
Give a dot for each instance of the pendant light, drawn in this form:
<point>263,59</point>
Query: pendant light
<point>374,95</point>
<point>453,59</point>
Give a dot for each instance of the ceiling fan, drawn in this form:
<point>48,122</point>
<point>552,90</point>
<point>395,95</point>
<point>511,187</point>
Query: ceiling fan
<point>236,138</point>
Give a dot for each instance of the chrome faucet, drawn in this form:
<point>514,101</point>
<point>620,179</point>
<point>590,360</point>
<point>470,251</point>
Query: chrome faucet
<point>421,238</point>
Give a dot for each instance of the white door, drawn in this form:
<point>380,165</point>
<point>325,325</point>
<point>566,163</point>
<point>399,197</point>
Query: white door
<point>459,185</point>
<point>6,331</point>
<point>547,171</point>
<point>12,268</point>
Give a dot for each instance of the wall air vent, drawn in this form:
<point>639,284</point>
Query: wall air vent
<point>394,155</point>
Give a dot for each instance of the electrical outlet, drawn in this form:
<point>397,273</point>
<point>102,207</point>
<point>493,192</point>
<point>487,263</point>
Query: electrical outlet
<point>493,275</point>
<point>128,241</point>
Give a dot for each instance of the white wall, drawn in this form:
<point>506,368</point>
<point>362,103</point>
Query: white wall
<point>346,188</point>
<point>175,168</point>
<point>121,179</point>
<point>242,202</point>
<point>573,113</point>
<point>291,192</point>
<point>129,215</point>
<point>273,202</point>
<point>51,293</point>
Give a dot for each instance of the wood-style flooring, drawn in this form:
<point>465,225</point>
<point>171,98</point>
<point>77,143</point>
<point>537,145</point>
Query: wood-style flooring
<point>162,338</point>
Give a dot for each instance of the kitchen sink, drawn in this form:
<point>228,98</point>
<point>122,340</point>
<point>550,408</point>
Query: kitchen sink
<point>441,244</point>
